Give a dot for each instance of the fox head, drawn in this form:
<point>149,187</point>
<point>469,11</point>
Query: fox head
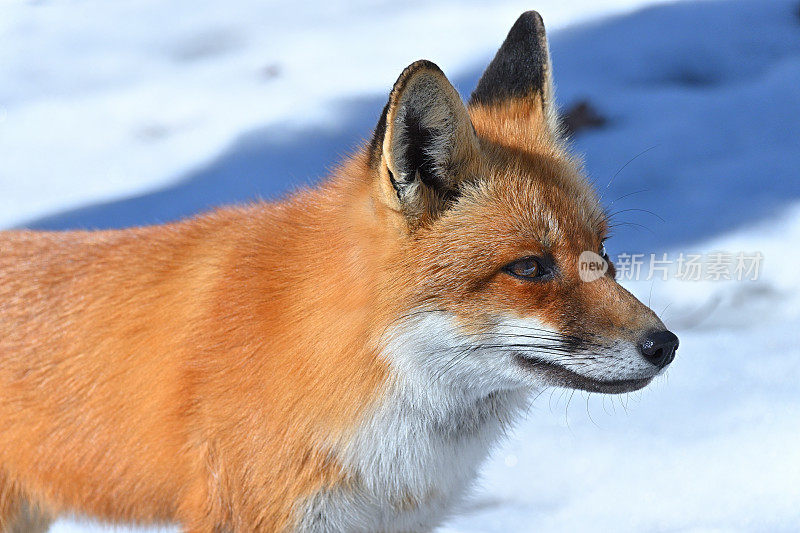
<point>494,216</point>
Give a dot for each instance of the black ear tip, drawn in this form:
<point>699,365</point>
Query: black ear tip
<point>529,23</point>
<point>532,16</point>
<point>520,66</point>
<point>423,64</point>
<point>417,66</point>
<point>375,145</point>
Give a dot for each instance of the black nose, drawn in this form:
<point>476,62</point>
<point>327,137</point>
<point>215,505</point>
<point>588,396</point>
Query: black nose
<point>659,347</point>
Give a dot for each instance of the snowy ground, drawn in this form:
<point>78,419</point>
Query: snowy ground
<point>150,116</point>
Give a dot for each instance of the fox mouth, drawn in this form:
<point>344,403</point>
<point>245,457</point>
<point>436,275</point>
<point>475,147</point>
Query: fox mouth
<point>560,376</point>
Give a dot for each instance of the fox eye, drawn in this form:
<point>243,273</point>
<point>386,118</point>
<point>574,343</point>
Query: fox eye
<point>529,269</point>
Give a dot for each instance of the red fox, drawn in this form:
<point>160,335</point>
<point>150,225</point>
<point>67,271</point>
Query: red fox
<point>341,360</point>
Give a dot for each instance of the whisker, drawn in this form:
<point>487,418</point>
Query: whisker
<point>637,209</point>
<point>631,160</point>
<point>633,224</point>
<point>627,195</point>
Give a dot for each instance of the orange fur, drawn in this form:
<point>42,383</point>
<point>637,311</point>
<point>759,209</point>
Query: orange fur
<point>135,365</point>
<point>210,371</point>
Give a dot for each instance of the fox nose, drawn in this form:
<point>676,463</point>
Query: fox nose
<point>659,347</point>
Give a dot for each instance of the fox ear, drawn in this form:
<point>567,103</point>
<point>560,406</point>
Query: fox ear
<point>520,73</point>
<point>424,144</point>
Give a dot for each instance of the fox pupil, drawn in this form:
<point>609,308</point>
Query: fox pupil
<point>527,267</point>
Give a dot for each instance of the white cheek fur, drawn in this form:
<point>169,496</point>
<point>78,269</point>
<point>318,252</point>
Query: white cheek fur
<point>417,454</point>
<point>448,401</point>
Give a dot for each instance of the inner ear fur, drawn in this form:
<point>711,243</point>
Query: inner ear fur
<point>424,145</point>
<point>518,83</point>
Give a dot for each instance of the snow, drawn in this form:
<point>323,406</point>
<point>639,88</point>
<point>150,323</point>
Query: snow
<point>138,93</point>
<point>155,112</point>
